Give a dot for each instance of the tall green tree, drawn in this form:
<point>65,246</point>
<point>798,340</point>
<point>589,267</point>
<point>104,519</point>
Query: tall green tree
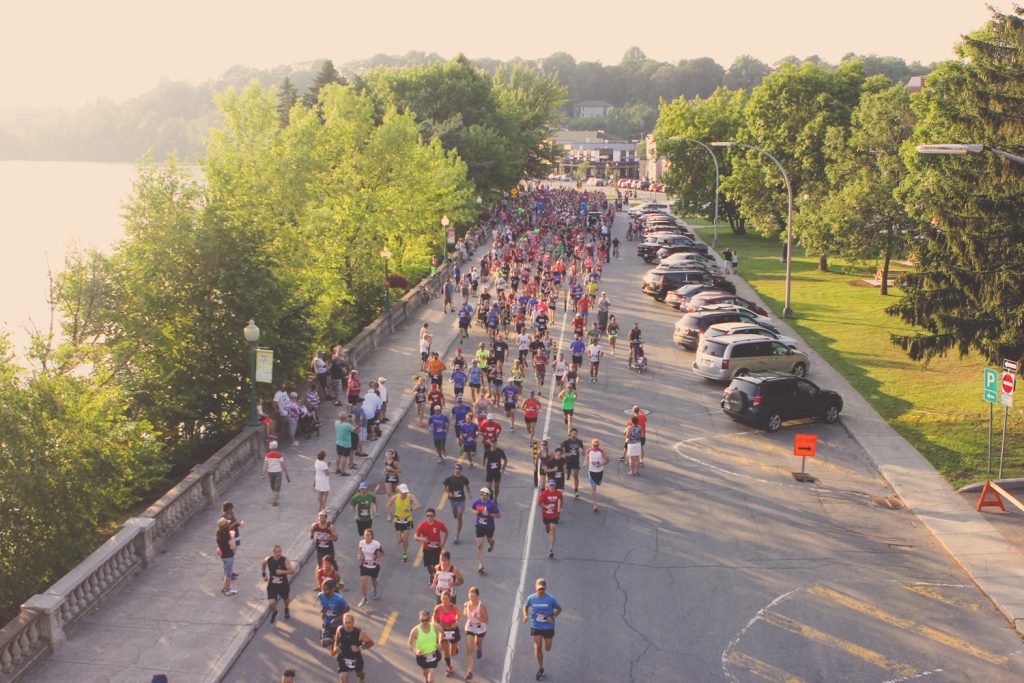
<point>745,73</point>
<point>327,75</point>
<point>287,96</point>
<point>862,216</point>
<point>967,293</point>
<point>691,176</point>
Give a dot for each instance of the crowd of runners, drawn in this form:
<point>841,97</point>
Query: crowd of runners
<point>539,281</point>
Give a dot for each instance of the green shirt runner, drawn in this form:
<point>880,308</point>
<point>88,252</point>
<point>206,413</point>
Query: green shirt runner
<point>363,505</point>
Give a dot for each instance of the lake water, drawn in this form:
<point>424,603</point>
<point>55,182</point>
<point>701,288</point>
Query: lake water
<point>47,208</point>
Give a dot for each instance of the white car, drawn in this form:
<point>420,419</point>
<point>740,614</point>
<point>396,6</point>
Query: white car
<point>762,320</point>
<point>728,329</point>
<point>635,211</point>
<point>690,257</point>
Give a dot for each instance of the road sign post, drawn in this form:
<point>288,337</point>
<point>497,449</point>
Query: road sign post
<point>1007,384</point>
<point>804,446</point>
<point>990,393</point>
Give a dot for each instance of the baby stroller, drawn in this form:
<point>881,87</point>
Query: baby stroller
<point>309,423</point>
<point>637,357</point>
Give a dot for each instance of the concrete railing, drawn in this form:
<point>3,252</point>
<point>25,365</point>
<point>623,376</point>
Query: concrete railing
<point>45,619</point>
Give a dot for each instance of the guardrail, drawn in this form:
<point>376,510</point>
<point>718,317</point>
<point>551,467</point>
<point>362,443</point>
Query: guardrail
<point>45,619</point>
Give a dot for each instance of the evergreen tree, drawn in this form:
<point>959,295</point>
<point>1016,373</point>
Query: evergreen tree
<point>287,96</point>
<point>327,74</point>
<point>968,291</point>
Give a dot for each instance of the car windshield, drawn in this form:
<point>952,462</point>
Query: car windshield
<point>712,348</point>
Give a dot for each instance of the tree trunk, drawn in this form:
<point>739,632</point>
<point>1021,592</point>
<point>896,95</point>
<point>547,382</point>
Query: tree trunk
<point>823,264</point>
<point>885,271</point>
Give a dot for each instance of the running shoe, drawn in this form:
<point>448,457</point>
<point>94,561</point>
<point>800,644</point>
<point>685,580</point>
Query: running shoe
<point>479,652</point>
<point>540,675</point>
<point>490,547</point>
<point>363,602</point>
<point>287,614</point>
<point>479,569</point>
<point>575,494</point>
<point>456,541</point>
<point>551,554</point>
<point>448,672</point>
<point>375,595</point>
<point>230,592</point>
<point>273,616</point>
<point>405,557</point>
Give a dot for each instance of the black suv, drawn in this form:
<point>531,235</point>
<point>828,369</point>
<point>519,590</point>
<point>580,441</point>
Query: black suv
<point>659,282</point>
<point>767,399</point>
<point>648,249</point>
<point>689,328</point>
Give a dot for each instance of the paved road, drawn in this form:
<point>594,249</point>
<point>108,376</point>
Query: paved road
<point>713,565</point>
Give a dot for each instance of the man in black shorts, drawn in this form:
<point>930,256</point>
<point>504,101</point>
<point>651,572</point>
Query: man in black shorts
<point>349,644</point>
<point>495,462</point>
<point>276,570</point>
<point>554,469</point>
<point>572,449</point>
<point>457,487</point>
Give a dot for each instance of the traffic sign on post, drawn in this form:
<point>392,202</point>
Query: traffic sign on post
<point>1010,365</point>
<point>1006,387</point>
<point>991,391</point>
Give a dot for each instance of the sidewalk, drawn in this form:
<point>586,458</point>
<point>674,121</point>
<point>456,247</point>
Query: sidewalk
<point>172,617</point>
<point>993,560</point>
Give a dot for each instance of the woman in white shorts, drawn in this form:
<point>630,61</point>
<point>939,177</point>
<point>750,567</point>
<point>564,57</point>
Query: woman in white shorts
<point>321,479</point>
<point>597,460</point>
<point>475,612</point>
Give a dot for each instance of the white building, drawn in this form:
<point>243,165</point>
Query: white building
<point>591,109</point>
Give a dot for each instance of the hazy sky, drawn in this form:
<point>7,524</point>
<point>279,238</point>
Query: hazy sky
<point>67,52</point>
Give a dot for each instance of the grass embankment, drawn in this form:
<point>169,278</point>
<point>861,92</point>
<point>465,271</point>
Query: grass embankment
<point>937,407</point>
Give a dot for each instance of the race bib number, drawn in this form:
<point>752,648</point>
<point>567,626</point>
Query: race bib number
<point>542,618</point>
<point>350,663</point>
<point>449,635</point>
<point>432,657</point>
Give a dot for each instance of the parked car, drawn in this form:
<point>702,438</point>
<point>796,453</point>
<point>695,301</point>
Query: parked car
<point>722,358</point>
<point>686,292</point>
<point>705,299</point>
<point>728,329</point>
<point>648,249</point>
<point>766,399</point>
<point>691,326</point>
<point>658,283</point>
<point>683,257</point>
<point>762,320</point>
<point>635,211</point>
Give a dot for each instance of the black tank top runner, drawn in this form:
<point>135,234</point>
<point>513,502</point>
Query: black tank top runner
<point>346,641</point>
<point>272,567</point>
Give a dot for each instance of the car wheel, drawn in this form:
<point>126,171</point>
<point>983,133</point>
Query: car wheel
<point>831,414</point>
<point>800,370</point>
<point>740,372</point>
<point>773,422</point>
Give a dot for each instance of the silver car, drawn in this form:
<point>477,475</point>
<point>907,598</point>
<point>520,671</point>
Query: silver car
<point>726,329</point>
<point>725,357</point>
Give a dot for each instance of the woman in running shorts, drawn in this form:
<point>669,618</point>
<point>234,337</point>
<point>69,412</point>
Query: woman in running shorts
<point>597,460</point>
<point>392,470</point>
<point>475,612</point>
<point>446,616</point>
<point>613,333</point>
<point>419,390</point>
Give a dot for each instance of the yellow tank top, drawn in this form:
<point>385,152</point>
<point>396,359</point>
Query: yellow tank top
<point>403,508</point>
<point>426,642</point>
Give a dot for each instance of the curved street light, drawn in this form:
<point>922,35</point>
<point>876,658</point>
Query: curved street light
<point>385,254</point>
<point>787,309</point>
<point>252,335</point>
<point>968,149</point>
<point>714,240</point>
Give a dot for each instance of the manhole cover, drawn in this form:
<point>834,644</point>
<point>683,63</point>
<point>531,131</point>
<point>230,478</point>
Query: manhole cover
<point>887,502</point>
<point>629,411</point>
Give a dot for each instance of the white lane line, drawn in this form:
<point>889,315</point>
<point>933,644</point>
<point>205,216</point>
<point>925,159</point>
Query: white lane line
<point>510,650</point>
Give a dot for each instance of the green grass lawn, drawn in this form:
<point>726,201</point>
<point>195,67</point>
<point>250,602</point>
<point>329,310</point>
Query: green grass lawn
<point>937,407</point>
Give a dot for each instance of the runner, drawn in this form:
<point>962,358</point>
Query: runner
<point>424,641</point>
<point>369,556</point>
<point>456,489</point>
<point>541,610</point>
<point>419,390</point>
<point>594,353</point>
<point>550,503</point>
<point>349,644</point>
<point>435,369</point>
<point>402,504</point>
<point>433,534</point>
<point>494,463</point>
<point>468,431</point>
<point>510,397</point>
<point>540,363</point>
<point>273,467</point>
<point>446,616</point>
<point>641,416</point>
<point>328,569</point>
<point>276,570</point>
<point>531,412</point>
<point>439,430</point>
<point>332,607</point>
<point>486,512</point>
<point>572,448</point>
<point>593,334</point>
<point>576,347</point>
<point>476,615</point>
<point>435,398</point>
<point>597,460</point>
<point>475,379</point>
<point>604,306</point>
<point>568,397</point>
<point>364,507</point>
<point>446,576</point>
<point>392,471</point>
<point>490,431</point>
<point>425,339</point>
<point>613,333</point>
<point>633,433</point>
<point>465,318</point>
<point>323,534</point>
<point>559,368</point>
<point>458,378</point>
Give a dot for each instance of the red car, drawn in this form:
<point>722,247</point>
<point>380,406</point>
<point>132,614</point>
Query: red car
<point>712,298</point>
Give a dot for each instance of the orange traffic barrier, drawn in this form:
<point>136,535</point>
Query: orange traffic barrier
<point>985,501</point>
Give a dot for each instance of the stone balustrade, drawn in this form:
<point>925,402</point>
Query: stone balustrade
<point>45,619</point>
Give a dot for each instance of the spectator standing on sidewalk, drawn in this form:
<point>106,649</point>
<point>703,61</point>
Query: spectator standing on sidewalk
<point>344,430</point>
<point>382,391</point>
<point>359,421</point>
<point>273,467</point>
<point>226,552</point>
<point>321,479</point>
<point>338,372</point>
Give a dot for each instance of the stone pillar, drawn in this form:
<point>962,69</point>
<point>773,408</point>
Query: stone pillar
<point>208,485</point>
<point>47,606</point>
<point>146,540</point>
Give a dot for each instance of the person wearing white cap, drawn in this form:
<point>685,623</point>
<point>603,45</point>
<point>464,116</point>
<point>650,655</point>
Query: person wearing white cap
<point>382,391</point>
<point>486,512</point>
<point>402,505</point>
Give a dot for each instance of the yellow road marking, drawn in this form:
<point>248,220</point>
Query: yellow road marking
<point>900,622</point>
<point>853,649</point>
<point>419,557</point>
<point>934,594</point>
<point>761,669</point>
<point>388,625</point>
<point>444,499</point>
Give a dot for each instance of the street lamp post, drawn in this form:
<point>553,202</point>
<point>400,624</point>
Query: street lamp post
<point>787,309</point>
<point>714,240</point>
<point>385,254</point>
<point>444,242</point>
<point>252,335</point>
<point>968,149</point>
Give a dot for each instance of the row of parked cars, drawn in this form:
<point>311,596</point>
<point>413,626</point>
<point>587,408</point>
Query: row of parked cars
<point>735,340</point>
